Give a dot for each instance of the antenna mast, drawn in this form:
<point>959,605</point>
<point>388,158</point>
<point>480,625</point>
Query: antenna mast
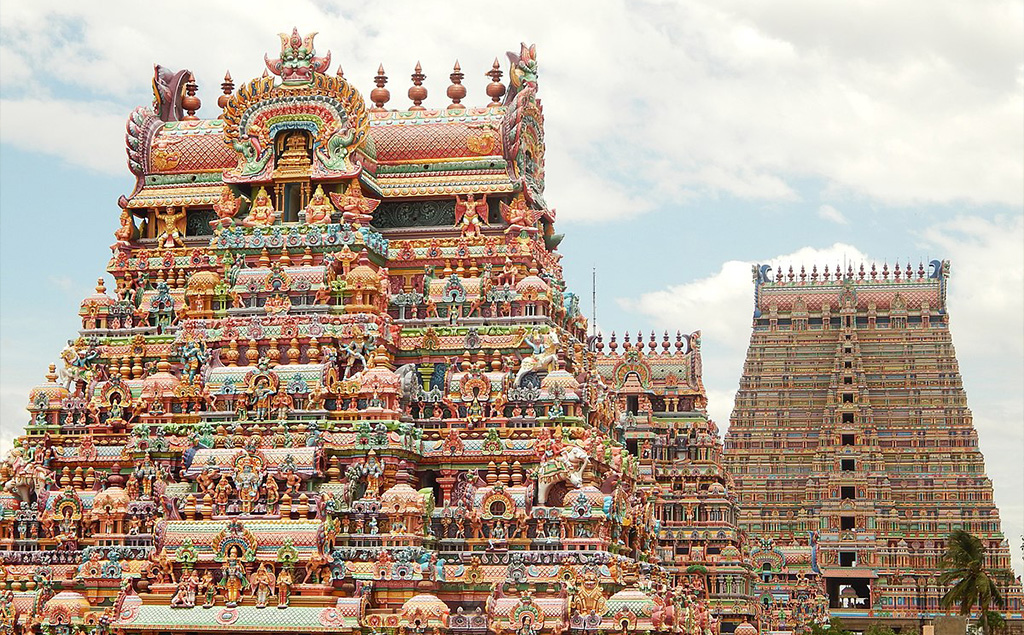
<point>593,300</point>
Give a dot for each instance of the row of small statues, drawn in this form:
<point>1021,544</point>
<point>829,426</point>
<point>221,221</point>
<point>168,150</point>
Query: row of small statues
<point>262,585</point>
<point>470,214</point>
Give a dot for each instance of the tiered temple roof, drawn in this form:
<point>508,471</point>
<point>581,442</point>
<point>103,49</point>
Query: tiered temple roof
<point>338,374</point>
<point>659,393</point>
<point>852,445</point>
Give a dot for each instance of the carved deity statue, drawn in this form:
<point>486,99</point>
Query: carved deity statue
<point>284,587</point>
<point>544,357</point>
<point>232,578</point>
<point>208,589</point>
<point>355,208</point>
<point>126,232</point>
<point>171,235</point>
<point>226,207</point>
<point>471,214</point>
<point>261,212</point>
<point>588,596</point>
<point>319,209</point>
<point>185,594</point>
<point>247,481</point>
<point>262,583</point>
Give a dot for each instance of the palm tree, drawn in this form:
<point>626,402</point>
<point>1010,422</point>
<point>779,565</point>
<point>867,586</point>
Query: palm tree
<point>964,562</point>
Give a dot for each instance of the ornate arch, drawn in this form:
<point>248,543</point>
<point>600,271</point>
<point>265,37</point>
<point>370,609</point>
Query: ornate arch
<point>328,108</point>
<point>632,363</point>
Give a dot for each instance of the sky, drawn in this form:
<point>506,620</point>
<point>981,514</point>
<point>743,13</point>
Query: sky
<point>686,141</point>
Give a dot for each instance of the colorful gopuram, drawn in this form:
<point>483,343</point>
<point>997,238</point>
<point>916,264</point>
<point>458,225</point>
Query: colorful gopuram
<point>853,449</point>
<point>660,398</point>
<point>338,385</point>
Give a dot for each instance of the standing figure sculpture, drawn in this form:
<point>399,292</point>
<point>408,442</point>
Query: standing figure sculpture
<point>171,236</point>
<point>471,214</point>
<point>247,483</point>
<point>208,589</point>
<point>262,583</point>
<point>284,587</point>
<point>126,232</point>
<point>232,578</point>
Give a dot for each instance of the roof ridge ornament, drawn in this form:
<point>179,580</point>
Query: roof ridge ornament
<point>523,73</point>
<point>298,61</point>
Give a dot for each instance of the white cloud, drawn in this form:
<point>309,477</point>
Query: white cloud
<point>721,306</point>
<point>986,309</point>
<point>13,416</point>
<point>830,213</point>
<point>917,103</point>
<point>64,283</point>
<point>85,134</point>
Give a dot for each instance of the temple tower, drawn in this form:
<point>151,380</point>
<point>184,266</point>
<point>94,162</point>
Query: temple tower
<point>660,407</point>
<point>851,441</point>
<point>340,385</point>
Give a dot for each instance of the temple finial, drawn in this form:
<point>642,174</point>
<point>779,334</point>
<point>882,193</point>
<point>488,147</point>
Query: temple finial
<point>456,92</point>
<point>495,90</point>
<point>227,87</point>
<point>380,95</point>
<point>191,102</point>
<point>417,92</point>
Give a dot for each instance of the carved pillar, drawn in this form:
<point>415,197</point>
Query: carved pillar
<point>447,483</point>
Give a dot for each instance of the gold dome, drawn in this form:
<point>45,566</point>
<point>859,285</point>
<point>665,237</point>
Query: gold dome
<point>746,628</point>
<point>96,301</point>
<point>425,608</point>
<point>532,287</point>
<point>402,499</point>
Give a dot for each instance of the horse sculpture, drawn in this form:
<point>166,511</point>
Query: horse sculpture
<point>409,380</point>
<point>28,480</point>
<point>567,466</point>
<point>76,366</point>
<point>544,357</point>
